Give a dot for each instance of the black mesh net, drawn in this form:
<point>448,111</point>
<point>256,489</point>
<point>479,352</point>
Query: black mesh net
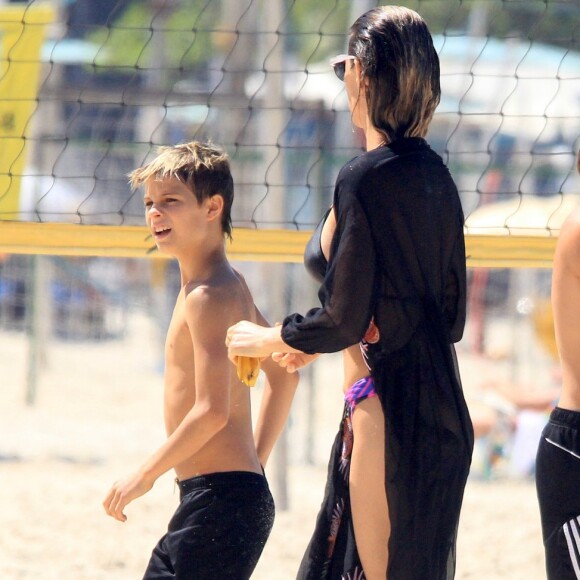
<point>87,92</point>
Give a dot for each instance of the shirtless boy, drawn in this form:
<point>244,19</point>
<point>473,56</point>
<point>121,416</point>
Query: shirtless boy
<point>226,510</point>
<point>558,460</point>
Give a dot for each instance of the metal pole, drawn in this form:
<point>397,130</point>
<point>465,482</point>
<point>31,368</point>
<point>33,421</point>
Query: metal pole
<point>151,128</point>
<point>38,322</point>
<point>324,143</point>
<point>32,329</point>
<point>273,124</point>
<point>38,297</point>
<point>152,131</point>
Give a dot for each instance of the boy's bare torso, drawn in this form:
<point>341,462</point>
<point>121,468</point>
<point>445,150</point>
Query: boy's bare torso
<point>566,304</point>
<point>232,448</point>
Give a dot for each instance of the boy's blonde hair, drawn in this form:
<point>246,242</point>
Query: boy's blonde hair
<point>203,167</point>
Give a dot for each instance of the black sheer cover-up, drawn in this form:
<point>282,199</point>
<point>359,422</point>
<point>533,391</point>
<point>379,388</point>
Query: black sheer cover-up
<point>398,257</point>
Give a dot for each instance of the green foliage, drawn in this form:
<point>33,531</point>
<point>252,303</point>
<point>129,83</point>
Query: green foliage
<point>189,34</point>
<point>142,37</point>
<point>317,30</point>
<point>554,22</point>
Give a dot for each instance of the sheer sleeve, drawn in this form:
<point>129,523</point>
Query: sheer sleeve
<point>455,297</point>
<point>347,292</point>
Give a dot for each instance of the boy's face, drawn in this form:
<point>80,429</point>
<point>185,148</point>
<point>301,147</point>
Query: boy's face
<point>176,220</point>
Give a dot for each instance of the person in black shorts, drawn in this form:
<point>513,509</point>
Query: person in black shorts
<point>558,485</point>
<point>233,511</point>
<point>558,458</point>
<point>226,510</point>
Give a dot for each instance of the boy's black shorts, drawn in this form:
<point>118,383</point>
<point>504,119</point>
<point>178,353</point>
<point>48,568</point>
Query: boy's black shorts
<point>558,485</point>
<point>218,531</point>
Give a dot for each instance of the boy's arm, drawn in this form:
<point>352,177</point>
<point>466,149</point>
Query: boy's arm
<point>206,319</point>
<point>568,247</point>
<point>279,389</point>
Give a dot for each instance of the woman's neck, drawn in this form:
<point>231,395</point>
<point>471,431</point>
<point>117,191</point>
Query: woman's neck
<point>374,138</point>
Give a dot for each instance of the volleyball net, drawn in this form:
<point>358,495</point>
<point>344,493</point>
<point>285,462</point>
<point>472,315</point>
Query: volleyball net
<point>89,90</point>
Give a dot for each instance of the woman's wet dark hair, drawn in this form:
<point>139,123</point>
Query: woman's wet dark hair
<point>400,68</point>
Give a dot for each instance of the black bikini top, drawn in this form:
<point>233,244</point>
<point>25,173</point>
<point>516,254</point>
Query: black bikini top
<point>314,260</point>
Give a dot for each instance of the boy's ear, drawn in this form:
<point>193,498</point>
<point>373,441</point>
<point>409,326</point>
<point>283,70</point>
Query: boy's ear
<point>215,206</point>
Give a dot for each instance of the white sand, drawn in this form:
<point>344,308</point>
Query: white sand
<point>97,415</point>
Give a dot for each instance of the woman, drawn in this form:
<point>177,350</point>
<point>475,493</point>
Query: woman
<point>391,257</point>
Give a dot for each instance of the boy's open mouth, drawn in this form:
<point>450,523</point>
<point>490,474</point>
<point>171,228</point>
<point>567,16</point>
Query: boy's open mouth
<point>161,232</point>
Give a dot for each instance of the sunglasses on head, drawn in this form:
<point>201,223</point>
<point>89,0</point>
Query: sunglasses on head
<point>338,63</point>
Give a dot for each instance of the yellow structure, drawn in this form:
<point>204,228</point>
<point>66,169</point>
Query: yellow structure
<point>22,30</point>
<point>249,244</point>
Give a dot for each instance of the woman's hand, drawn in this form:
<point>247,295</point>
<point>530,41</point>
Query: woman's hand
<point>248,339</point>
<point>293,361</point>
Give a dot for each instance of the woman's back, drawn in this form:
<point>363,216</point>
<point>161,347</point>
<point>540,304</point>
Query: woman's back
<point>412,207</point>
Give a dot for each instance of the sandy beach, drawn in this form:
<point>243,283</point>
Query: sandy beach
<point>98,413</point>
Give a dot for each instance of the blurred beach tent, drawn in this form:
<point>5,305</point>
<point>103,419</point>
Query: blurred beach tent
<point>523,87</point>
<point>524,215</point>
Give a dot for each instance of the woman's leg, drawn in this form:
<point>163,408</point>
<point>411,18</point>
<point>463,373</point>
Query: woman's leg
<point>370,512</point>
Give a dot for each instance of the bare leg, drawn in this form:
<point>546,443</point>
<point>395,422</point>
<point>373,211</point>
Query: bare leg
<point>370,512</point>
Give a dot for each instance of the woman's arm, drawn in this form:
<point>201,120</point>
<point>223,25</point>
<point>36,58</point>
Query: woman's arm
<point>347,296</point>
<point>246,338</point>
<point>348,291</point>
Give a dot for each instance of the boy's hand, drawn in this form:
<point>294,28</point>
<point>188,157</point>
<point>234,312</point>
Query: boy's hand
<point>292,361</point>
<point>123,492</point>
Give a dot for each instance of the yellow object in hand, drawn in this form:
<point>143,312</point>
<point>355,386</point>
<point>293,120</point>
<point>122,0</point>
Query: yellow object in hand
<point>248,369</point>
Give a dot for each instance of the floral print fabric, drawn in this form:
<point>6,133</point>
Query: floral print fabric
<point>332,553</point>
